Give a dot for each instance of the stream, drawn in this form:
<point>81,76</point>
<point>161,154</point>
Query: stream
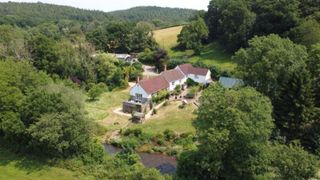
<point>165,164</point>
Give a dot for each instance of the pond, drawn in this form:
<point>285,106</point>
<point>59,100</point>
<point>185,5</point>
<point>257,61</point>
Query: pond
<point>165,164</point>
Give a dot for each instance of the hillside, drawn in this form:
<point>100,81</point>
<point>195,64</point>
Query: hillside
<point>167,38</point>
<point>159,16</point>
<point>32,14</point>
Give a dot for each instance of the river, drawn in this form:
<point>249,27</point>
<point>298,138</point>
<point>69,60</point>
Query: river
<point>165,164</point>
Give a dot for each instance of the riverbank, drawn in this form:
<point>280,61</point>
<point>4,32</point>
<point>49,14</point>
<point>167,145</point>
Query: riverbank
<point>164,163</point>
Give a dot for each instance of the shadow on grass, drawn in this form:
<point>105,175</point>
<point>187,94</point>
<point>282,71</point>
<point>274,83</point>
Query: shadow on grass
<point>26,163</point>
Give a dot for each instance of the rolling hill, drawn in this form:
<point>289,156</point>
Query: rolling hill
<point>33,14</point>
<point>159,16</point>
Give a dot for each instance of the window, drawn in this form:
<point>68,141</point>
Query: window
<point>139,97</point>
<point>172,83</point>
<point>196,76</point>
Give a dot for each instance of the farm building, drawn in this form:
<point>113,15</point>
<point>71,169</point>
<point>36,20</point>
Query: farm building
<point>144,90</point>
<point>126,57</point>
<point>227,82</point>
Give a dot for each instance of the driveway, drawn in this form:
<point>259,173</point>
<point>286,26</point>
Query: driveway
<point>149,71</point>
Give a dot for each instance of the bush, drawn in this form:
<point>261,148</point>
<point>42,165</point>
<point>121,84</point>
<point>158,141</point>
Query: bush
<point>96,90</point>
<point>191,83</point>
<point>192,92</point>
<point>161,95</point>
<point>169,135</point>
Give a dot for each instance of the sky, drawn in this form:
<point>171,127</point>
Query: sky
<point>111,5</point>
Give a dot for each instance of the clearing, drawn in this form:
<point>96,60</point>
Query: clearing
<point>211,54</point>
<point>14,166</point>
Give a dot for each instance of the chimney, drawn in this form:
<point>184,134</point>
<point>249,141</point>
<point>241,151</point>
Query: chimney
<point>138,79</point>
<point>165,67</point>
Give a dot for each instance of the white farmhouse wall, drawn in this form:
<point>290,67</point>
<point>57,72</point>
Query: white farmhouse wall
<point>174,84</point>
<point>136,89</point>
<point>198,78</point>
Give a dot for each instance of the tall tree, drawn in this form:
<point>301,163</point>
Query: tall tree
<point>269,62</point>
<point>234,128</point>
<point>192,35</point>
<point>293,105</point>
<point>231,22</point>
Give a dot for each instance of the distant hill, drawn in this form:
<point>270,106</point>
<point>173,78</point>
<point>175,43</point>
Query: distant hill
<point>159,16</point>
<point>32,14</point>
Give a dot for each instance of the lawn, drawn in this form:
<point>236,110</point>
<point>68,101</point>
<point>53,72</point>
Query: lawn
<point>101,110</point>
<point>167,38</point>
<point>108,101</point>
<point>211,54</point>
<point>171,117</point>
<point>14,166</point>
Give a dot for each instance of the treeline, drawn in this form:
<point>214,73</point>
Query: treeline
<point>233,22</point>
<point>157,16</point>
<point>33,14</point>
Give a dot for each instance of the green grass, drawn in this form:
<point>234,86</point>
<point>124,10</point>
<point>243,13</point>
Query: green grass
<point>14,166</point>
<point>211,54</point>
<point>171,117</point>
<point>100,109</point>
<point>167,38</point>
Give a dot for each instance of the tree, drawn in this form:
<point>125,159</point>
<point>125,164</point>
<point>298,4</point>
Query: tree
<point>193,35</point>
<point>276,17</point>
<point>292,162</point>
<point>307,32</point>
<point>269,62</point>
<point>230,22</point>
<point>314,68</point>
<point>96,90</point>
<point>293,105</point>
<point>234,127</point>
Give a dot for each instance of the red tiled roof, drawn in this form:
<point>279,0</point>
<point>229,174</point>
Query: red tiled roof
<point>154,85</point>
<point>189,69</point>
<point>172,75</point>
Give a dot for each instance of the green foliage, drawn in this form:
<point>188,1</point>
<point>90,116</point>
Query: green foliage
<point>35,118</point>
<point>292,162</point>
<point>230,122</point>
<point>191,83</point>
<point>160,96</point>
<point>121,37</point>
<point>269,62</point>
<point>96,90</point>
<point>230,22</point>
<point>193,35</point>
<point>234,22</point>
<point>314,67</point>
<point>307,32</point>
<point>33,14</point>
<point>159,16</point>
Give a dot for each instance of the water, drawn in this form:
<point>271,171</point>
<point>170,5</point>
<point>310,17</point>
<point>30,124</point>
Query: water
<point>165,164</point>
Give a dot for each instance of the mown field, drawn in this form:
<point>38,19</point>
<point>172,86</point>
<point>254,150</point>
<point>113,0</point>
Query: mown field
<point>14,166</point>
<point>212,54</point>
<point>167,38</point>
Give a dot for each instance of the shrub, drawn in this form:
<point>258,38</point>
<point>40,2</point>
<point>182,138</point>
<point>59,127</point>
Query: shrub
<point>169,135</point>
<point>191,83</point>
<point>161,95</point>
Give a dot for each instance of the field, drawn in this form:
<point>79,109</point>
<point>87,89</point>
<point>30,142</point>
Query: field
<point>171,117</point>
<point>13,166</point>
<point>167,38</point>
<point>212,54</point>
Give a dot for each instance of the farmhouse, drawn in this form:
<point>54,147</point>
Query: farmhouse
<point>142,92</point>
